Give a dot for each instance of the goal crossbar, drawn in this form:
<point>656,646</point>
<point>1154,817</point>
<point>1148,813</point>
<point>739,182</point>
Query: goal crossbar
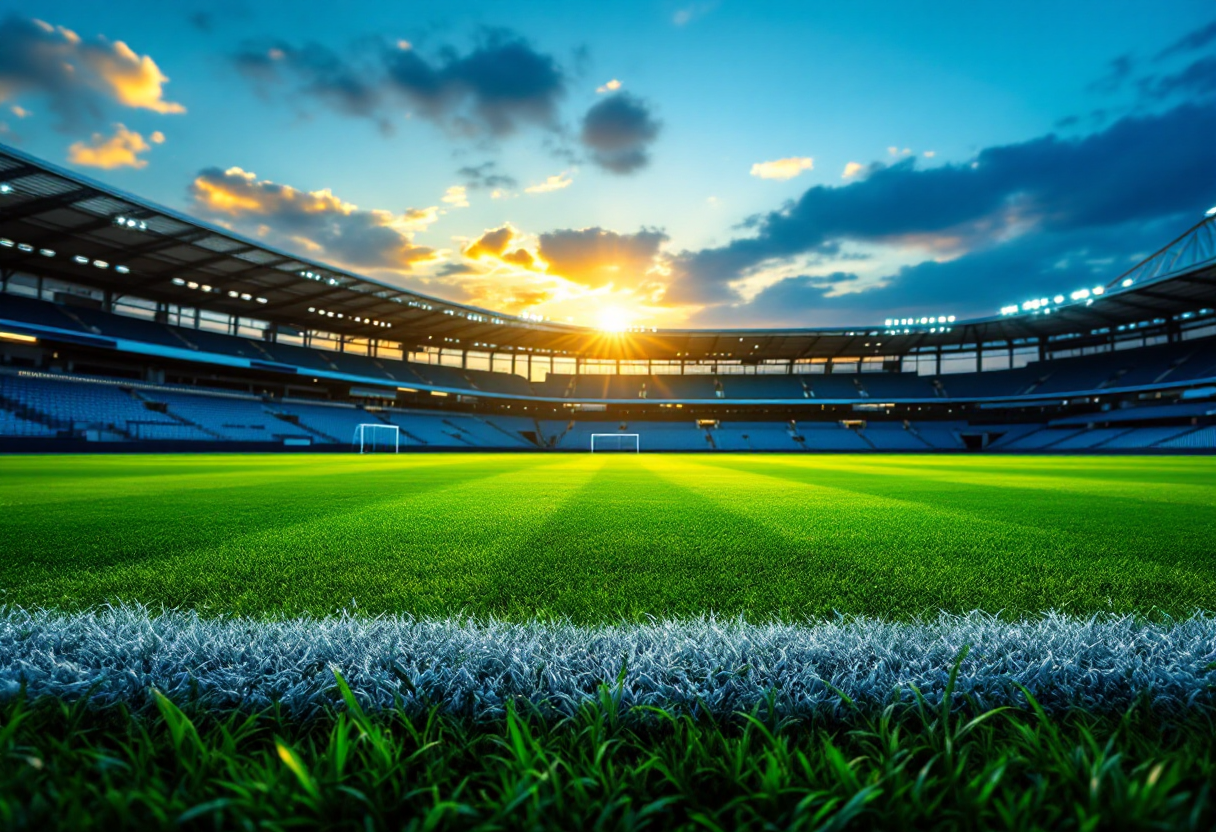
<point>366,436</point>
<point>637,442</point>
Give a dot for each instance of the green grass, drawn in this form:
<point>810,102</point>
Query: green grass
<point>605,537</point>
<point>67,767</point>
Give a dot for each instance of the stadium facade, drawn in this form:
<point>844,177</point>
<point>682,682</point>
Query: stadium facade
<point>125,325</point>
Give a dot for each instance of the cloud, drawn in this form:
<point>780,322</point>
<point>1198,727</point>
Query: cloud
<point>120,150</point>
<point>492,243</point>
<point>597,257</point>
<point>619,131</point>
<point>973,285</point>
<point>318,73</point>
<point>687,14</point>
<point>498,87</point>
<point>783,169</point>
<point>852,169</point>
<point>611,86</point>
<point>1196,81</point>
<point>1118,71</point>
<point>495,89</point>
<point>456,196</point>
<point>78,78</point>
<point>553,183</point>
<point>1191,42</point>
<point>486,177</point>
<point>1047,185</point>
<point>19,111</point>
<point>566,263</point>
<point>316,223</point>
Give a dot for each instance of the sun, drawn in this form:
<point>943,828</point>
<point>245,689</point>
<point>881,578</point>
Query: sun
<point>613,319</point>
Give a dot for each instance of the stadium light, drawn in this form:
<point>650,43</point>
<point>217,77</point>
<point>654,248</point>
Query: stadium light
<point>5,188</point>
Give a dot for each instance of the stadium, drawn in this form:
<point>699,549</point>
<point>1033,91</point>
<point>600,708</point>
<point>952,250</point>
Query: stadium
<point>289,540</point>
<point>129,327</point>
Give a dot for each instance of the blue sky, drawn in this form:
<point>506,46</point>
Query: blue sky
<point>649,163</point>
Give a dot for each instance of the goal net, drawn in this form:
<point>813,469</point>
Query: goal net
<point>377,438</point>
<point>615,443</point>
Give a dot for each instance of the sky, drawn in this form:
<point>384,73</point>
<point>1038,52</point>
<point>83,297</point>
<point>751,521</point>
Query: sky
<point>648,163</point>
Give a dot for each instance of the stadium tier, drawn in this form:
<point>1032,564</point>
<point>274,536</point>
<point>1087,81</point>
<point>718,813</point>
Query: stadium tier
<point>171,330</point>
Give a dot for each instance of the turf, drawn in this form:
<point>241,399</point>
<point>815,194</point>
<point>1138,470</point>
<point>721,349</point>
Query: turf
<point>68,767</point>
<point>610,537</point>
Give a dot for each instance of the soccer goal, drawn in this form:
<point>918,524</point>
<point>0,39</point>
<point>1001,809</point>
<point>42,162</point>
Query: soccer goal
<point>615,442</point>
<point>377,438</point>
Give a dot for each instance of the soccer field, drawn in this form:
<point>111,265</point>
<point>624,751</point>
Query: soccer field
<point>601,538</point>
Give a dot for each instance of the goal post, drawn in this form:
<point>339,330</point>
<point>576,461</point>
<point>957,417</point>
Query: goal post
<point>615,442</point>
<point>377,438</point>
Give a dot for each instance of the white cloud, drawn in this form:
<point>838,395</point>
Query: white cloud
<point>611,86</point>
<point>852,169</point>
<point>456,196</point>
<point>553,183</point>
<point>783,168</point>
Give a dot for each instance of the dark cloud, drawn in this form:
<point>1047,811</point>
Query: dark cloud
<point>974,285</point>
<point>501,85</point>
<point>485,177</point>
<point>318,73</point>
<point>455,270</point>
<point>1119,70</point>
<point>618,131</point>
<point>493,90</point>
<point>1197,80</point>
<point>596,257</point>
<point>1191,42</point>
<point>80,79</point>
<point>203,21</point>
<point>1138,169</point>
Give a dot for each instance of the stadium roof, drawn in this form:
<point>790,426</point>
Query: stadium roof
<point>59,224</point>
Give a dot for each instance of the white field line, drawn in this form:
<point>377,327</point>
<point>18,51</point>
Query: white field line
<point>473,668</point>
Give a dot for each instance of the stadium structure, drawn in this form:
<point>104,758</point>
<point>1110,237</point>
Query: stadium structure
<point>127,326</point>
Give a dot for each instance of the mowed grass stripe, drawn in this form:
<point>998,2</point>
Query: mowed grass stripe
<point>630,544</point>
<point>1175,532</point>
<point>34,480</point>
<point>121,523</point>
<point>1191,484</point>
<point>420,546</point>
<point>908,555</point>
<point>601,538</point>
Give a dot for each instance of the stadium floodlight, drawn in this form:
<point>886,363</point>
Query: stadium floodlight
<point>606,443</point>
<point>6,188</point>
<point>377,437</point>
